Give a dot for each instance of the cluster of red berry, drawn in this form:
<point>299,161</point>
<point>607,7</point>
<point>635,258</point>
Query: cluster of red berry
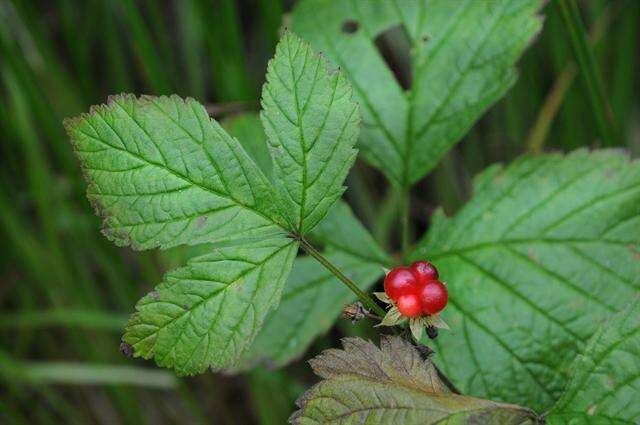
<point>416,290</point>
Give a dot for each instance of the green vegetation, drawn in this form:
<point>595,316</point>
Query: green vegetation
<point>66,290</point>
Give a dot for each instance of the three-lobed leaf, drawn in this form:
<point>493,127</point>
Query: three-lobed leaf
<point>546,249</point>
<point>163,174</point>
<point>391,384</point>
<point>605,380</point>
<point>462,53</point>
<point>312,124</point>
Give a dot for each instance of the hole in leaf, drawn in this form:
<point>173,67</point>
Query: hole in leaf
<point>350,27</point>
<point>394,46</point>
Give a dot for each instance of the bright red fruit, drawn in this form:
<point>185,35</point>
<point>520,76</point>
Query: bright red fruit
<point>409,305</point>
<point>400,281</point>
<point>434,297</point>
<point>424,271</point>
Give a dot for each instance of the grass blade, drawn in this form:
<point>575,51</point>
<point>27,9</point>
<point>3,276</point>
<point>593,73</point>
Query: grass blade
<point>589,70</point>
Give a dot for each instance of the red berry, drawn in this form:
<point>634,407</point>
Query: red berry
<point>434,297</point>
<point>409,305</point>
<point>400,281</point>
<point>424,271</point>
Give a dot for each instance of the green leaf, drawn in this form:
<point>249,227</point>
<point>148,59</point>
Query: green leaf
<point>247,128</point>
<point>342,231</point>
<point>311,302</point>
<point>605,380</point>
<point>311,124</point>
<point>545,250</point>
<point>206,314</point>
<point>162,173</point>
<point>462,54</point>
<point>391,384</point>
<point>313,297</point>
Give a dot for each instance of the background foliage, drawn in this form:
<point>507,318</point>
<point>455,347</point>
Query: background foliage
<point>65,290</point>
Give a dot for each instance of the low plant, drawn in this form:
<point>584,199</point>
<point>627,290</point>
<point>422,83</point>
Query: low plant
<point>544,252</point>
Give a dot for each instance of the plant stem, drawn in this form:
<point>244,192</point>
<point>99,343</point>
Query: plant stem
<point>404,221</point>
<point>364,298</point>
<point>589,69</point>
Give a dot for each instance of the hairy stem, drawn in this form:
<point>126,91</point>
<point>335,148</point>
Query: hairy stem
<point>364,298</point>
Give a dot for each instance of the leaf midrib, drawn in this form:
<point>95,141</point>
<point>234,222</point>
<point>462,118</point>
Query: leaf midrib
<point>299,125</point>
<point>210,296</point>
<point>180,176</point>
<point>350,377</point>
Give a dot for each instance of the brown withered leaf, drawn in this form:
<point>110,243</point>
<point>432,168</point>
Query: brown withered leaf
<point>392,384</point>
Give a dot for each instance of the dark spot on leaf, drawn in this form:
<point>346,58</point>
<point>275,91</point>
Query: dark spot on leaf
<point>350,26</point>
<point>126,349</point>
<point>201,221</point>
<point>610,382</point>
<point>426,38</point>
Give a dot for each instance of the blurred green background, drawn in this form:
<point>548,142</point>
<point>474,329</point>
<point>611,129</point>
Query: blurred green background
<point>65,291</point>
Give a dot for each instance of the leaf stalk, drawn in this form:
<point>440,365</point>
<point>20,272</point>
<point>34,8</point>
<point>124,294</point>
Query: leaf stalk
<point>364,298</point>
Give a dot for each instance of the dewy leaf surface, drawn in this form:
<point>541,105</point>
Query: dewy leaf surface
<point>312,124</point>
<point>463,55</point>
<point>162,173</point>
<point>605,381</point>
<point>313,297</point>
<point>546,249</point>
<point>207,313</point>
<point>392,384</point>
